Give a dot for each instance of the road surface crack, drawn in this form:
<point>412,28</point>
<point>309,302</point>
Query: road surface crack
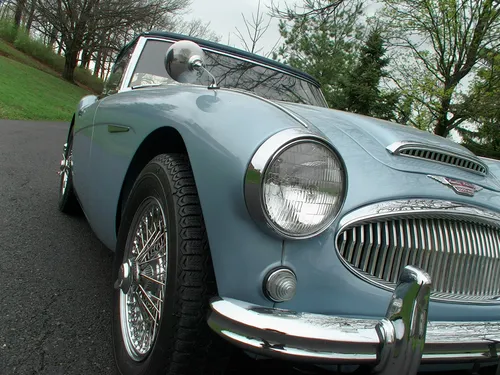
<point>46,331</point>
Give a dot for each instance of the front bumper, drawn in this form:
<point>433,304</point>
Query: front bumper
<point>396,344</point>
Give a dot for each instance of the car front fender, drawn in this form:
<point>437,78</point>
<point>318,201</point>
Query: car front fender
<point>221,131</point>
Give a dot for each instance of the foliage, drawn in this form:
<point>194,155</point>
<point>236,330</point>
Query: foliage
<point>37,49</point>
<point>22,97</point>
<point>483,136</point>
<point>442,42</point>
<point>325,46</point>
<point>8,31</point>
<point>86,78</point>
<point>50,61</point>
<point>362,87</point>
<point>9,51</point>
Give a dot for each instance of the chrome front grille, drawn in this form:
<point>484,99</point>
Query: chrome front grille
<point>438,155</point>
<point>461,253</point>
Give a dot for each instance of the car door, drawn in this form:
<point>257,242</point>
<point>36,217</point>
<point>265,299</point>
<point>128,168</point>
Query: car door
<point>81,146</point>
<point>100,208</point>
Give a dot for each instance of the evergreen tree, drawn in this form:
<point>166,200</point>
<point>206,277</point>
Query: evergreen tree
<point>482,136</point>
<point>362,87</point>
<point>324,45</point>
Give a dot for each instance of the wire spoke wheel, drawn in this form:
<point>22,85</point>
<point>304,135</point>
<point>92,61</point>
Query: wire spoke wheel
<point>65,168</point>
<point>142,279</point>
<point>164,277</point>
<point>67,201</point>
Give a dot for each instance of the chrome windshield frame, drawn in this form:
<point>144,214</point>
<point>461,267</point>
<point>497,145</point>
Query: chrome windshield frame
<point>141,43</point>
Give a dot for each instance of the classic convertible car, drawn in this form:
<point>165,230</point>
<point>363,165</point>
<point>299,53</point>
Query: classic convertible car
<point>244,212</point>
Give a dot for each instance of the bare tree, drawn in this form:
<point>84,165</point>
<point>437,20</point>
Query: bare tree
<point>78,22</point>
<point>255,30</point>
<point>6,7</point>
<point>310,8</point>
<point>195,27</point>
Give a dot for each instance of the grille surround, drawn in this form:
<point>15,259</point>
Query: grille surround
<point>460,216</point>
<point>438,155</point>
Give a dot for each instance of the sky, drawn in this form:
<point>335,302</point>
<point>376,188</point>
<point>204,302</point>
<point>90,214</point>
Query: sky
<point>226,15</point>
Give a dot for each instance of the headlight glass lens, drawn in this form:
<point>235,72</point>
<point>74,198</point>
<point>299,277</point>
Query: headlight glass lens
<point>303,189</point>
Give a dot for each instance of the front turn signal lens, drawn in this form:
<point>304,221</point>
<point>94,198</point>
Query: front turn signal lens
<point>280,285</point>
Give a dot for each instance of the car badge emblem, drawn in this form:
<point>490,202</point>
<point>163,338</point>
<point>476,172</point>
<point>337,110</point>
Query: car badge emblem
<point>458,186</point>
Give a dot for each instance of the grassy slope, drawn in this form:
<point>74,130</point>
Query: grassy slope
<point>29,90</point>
<point>9,51</point>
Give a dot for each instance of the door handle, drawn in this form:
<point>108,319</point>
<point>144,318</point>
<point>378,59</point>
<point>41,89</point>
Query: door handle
<point>118,129</point>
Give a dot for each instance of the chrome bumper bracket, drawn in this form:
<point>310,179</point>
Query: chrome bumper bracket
<point>397,344</point>
<point>402,331</point>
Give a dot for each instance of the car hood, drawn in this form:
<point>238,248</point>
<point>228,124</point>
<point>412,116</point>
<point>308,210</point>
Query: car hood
<point>383,132</point>
<point>375,135</point>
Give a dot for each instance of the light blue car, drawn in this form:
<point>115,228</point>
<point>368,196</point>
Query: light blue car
<point>244,212</point>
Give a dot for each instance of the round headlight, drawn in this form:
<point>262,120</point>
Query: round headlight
<point>303,189</point>
<point>301,186</point>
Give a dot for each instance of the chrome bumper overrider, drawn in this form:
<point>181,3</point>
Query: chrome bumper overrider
<point>396,344</point>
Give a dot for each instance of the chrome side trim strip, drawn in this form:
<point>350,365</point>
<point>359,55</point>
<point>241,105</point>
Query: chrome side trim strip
<point>396,344</point>
<point>423,151</point>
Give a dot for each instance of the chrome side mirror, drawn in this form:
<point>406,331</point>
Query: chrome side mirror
<point>183,60</point>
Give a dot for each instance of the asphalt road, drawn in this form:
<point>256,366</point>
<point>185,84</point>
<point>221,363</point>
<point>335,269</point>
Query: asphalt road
<point>55,275</point>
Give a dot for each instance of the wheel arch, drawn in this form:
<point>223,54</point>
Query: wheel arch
<point>162,140</point>
<point>71,126</point>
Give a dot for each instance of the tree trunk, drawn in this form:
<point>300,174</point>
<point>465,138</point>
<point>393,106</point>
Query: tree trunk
<point>442,125</point>
<point>98,59</point>
<point>104,64</point>
<point>18,15</point>
<point>70,62</point>
<point>86,53</point>
<point>31,15</point>
<point>53,37</point>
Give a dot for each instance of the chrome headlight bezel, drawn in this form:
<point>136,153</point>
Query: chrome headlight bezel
<point>255,174</point>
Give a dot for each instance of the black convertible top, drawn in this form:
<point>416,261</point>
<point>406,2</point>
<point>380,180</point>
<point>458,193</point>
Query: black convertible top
<point>225,48</point>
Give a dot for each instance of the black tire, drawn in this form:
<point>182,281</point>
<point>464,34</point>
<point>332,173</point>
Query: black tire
<point>67,202</point>
<point>184,344</point>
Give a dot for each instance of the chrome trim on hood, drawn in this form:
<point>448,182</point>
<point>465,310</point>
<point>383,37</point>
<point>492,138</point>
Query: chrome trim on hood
<point>436,154</point>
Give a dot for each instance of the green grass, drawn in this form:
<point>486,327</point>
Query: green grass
<point>20,46</point>
<point>9,51</point>
<point>28,93</point>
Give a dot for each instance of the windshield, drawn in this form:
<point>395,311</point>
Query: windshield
<point>230,72</point>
